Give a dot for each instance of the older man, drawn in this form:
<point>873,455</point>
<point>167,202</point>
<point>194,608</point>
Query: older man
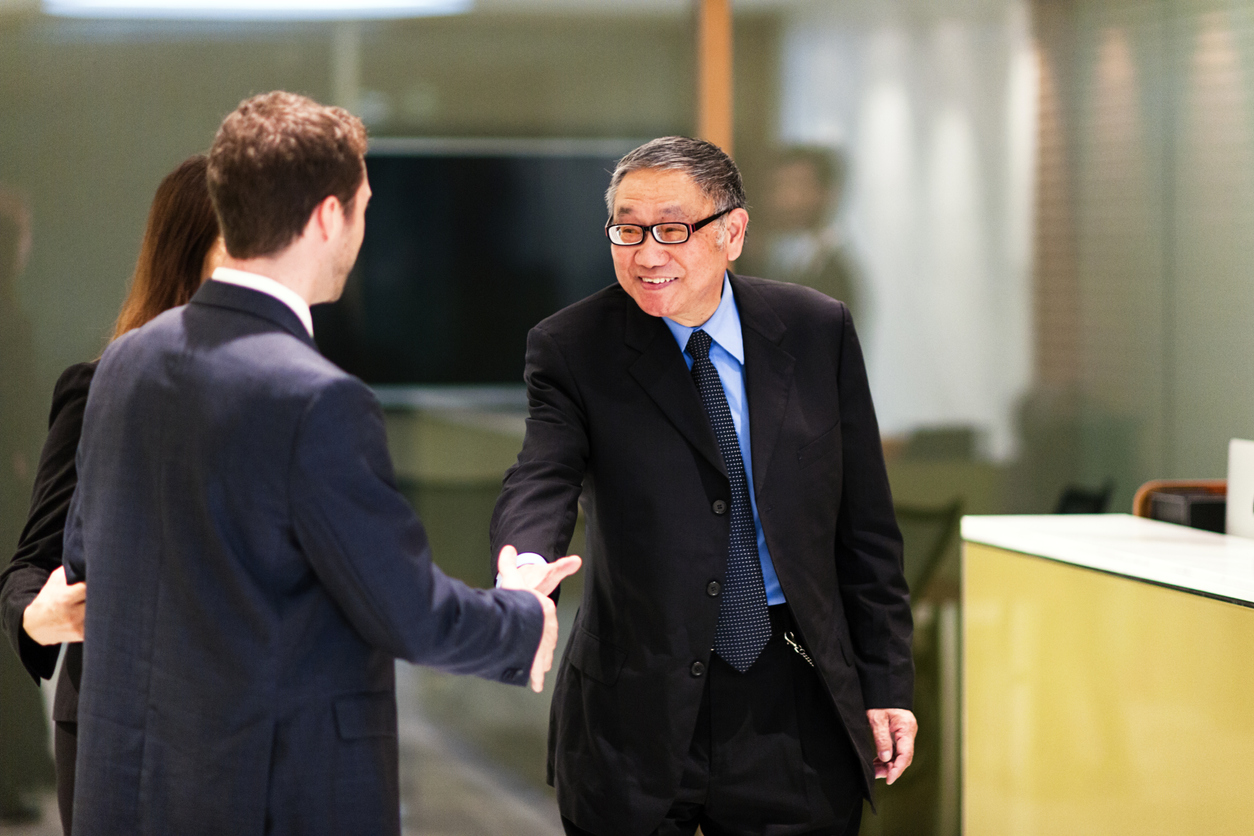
<point>741,660</point>
<point>252,567</point>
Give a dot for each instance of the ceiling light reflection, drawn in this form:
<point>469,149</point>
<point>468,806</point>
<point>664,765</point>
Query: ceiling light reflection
<point>254,9</point>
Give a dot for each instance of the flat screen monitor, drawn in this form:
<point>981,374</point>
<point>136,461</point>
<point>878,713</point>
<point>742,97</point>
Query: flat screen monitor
<point>468,245</point>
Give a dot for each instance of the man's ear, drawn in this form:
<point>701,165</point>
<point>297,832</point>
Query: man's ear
<point>328,218</point>
<point>737,224</point>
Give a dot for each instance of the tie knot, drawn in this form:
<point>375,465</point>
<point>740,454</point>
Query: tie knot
<point>699,345</point>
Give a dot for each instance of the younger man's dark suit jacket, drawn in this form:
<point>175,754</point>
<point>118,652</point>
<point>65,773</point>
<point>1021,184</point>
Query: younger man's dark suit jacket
<point>252,571</point>
<point>615,417</point>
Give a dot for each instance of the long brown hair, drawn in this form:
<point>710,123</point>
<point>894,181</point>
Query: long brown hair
<point>181,231</point>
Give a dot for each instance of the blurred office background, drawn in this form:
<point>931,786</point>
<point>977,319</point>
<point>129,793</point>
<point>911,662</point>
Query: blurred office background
<point>1041,211</point>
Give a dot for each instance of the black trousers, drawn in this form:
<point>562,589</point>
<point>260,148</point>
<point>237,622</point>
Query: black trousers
<point>769,755</point>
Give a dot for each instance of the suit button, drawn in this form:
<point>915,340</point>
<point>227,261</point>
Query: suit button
<point>713,588</point>
<point>719,507</point>
<point>697,669</point>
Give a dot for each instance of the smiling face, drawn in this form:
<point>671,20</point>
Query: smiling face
<point>680,281</point>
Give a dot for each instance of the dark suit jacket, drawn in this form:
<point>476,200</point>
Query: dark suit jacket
<point>615,417</point>
<point>39,549</point>
<point>252,571</point>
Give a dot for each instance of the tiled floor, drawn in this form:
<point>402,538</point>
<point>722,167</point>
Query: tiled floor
<point>455,787</point>
<point>50,825</point>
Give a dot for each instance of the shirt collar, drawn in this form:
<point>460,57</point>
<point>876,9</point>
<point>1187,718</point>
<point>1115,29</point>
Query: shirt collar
<point>268,286</point>
<point>723,326</point>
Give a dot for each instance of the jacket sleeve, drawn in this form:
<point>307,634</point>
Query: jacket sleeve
<point>39,550</point>
<point>371,554</point>
<point>868,544</point>
<point>539,500</point>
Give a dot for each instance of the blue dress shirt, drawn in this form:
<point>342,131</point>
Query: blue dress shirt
<point>728,356</point>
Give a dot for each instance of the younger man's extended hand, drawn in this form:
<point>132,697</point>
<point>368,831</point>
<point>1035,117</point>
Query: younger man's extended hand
<point>539,580</point>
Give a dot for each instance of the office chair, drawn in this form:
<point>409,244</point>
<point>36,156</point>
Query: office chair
<point>1079,500</point>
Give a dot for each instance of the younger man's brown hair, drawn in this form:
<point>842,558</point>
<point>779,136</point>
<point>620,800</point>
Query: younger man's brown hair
<point>274,159</point>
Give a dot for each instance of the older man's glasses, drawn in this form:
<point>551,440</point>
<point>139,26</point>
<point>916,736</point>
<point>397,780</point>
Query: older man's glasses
<point>670,232</point>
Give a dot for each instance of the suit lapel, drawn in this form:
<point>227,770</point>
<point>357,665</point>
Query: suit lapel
<point>661,370</point>
<point>768,375</point>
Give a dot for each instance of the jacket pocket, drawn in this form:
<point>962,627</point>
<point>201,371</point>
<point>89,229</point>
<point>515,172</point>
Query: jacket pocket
<point>826,445</point>
<point>366,715</point>
<point>595,658</point>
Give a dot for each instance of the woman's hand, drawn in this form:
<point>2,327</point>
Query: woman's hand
<point>56,614</point>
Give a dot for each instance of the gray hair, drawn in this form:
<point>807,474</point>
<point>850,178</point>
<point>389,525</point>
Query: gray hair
<point>707,164</point>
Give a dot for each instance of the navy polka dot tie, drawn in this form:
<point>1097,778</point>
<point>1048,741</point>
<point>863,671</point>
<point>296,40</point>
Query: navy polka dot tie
<point>744,625</point>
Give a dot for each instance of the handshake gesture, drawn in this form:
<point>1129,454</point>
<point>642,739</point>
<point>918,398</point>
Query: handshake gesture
<point>540,579</point>
<point>56,614</point>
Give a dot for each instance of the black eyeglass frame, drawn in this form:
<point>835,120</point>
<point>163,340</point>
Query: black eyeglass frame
<point>651,230</point>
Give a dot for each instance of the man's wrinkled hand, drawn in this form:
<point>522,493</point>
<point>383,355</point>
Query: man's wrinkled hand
<point>894,730</point>
<point>539,580</point>
<point>56,614</point>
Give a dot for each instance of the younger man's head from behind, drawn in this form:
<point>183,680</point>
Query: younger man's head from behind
<point>275,159</point>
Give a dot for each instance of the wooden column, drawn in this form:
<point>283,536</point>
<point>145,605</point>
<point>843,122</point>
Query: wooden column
<point>714,72</point>
<point>346,65</point>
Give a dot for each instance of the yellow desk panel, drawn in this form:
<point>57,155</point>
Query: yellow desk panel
<point>1095,704</point>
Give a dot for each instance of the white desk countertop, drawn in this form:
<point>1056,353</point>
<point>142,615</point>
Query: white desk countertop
<point>1174,555</point>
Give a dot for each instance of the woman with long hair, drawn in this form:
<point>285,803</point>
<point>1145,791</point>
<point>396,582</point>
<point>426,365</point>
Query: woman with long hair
<point>181,247</point>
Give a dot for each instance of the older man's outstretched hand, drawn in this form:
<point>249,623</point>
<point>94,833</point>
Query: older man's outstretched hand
<point>540,580</point>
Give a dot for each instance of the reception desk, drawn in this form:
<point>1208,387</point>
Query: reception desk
<point>1107,677</point>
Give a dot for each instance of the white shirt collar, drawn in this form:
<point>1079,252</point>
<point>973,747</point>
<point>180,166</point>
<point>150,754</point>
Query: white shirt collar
<point>268,286</point>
